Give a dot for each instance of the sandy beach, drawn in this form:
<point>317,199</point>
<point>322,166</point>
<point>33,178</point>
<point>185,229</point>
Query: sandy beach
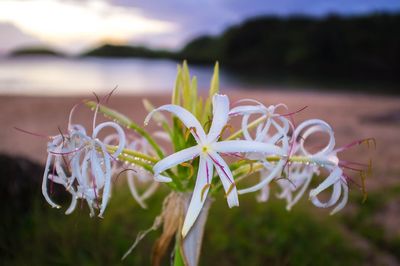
<point>353,116</point>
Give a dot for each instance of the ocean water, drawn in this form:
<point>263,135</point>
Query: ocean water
<point>53,76</point>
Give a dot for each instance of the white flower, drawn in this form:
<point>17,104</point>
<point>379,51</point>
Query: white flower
<point>89,164</point>
<point>270,117</point>
<point>208,148</point>
<point>324,158</point>
<point>273,130</point>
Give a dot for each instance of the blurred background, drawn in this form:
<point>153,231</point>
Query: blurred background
<point>340,58</point>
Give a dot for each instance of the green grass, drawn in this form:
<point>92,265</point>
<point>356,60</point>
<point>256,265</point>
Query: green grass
<point>363,223</point>
<point>254,234</point>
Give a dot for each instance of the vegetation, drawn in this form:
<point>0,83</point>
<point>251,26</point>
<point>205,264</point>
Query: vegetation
<point>36,51</point>
<point>363,46</point>
<point>34,234</point>
<point>344,46</point>
<point>268,235</point>
<point>109,50</point>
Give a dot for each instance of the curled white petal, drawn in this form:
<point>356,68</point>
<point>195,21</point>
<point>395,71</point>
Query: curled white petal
<point>44,183</point>
<point>120,132</point>
<point>311,126</point>
<point>344,200</point>
<point>187,118</point>
<point>333,178</point>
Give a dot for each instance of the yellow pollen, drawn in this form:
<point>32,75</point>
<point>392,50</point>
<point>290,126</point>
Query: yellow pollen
<point>205,149</point>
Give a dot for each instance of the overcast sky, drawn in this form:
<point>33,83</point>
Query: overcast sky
<point>75,25</point>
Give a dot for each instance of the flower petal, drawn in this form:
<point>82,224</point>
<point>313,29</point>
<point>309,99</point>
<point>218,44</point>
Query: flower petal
<point>120,132</point>
<point>264,182</point>
<point>226,177</point>
<point>333,199</point>
<point>333,178</point>
<point>308,128</point>
<point>172,160</point>
<point>247,110</point>
<point>246,146</point>
<point>74,201</point>
<point>199,195</point>
<point>264,194</point>
<point>245,128</point>
<point>44,183</point>
<point>132,187</point>
<point>185,116</point>
<point>344,199</point>
<point>220,116</point>
<point>107,182</point>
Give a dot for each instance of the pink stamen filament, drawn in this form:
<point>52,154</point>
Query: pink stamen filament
<point>354,163</point>
<point>355,143</point>
<point>295,112</point>
<point>348,178</point>
<point>207,173</point>
<point>32,133</point>
<point>233,154</point>
<point>350,168</point>
<point>193,129</point>
<point>67,152</point>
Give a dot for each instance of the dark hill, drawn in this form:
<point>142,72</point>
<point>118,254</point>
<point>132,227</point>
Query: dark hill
<point>345,46</point>
<point>32,51</point>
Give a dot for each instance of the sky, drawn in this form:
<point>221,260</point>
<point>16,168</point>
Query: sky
<point>73,26</point>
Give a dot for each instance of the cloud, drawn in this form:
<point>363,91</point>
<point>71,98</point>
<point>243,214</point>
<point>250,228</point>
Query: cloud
<point>74,25</point>
<point>15,38</point>
<point>213,16</point>
<point>71,25</point>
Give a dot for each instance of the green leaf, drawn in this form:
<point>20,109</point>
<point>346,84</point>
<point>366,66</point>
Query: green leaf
<point>194,96</point>
<point>214,88</point>
<point>176,93</point>
<point>187,101</point>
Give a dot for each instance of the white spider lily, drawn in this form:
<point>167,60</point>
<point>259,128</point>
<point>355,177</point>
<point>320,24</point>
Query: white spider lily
<point>278,138</point>
<point>324,158</point>
<point>208,148</point>
<point>270,117</point>
<point>81,150</point>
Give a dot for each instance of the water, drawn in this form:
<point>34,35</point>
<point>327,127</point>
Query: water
<point>56,76</point>
<point>44,76</point>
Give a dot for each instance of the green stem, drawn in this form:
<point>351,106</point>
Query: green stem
<point>129,159</point>
<point>112,148</point>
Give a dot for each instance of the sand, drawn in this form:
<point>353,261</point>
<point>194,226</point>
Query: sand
<point>353,116</point>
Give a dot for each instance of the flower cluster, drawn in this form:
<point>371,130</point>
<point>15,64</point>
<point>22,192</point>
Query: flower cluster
<point>82,164</point>
<point>268,148</point>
